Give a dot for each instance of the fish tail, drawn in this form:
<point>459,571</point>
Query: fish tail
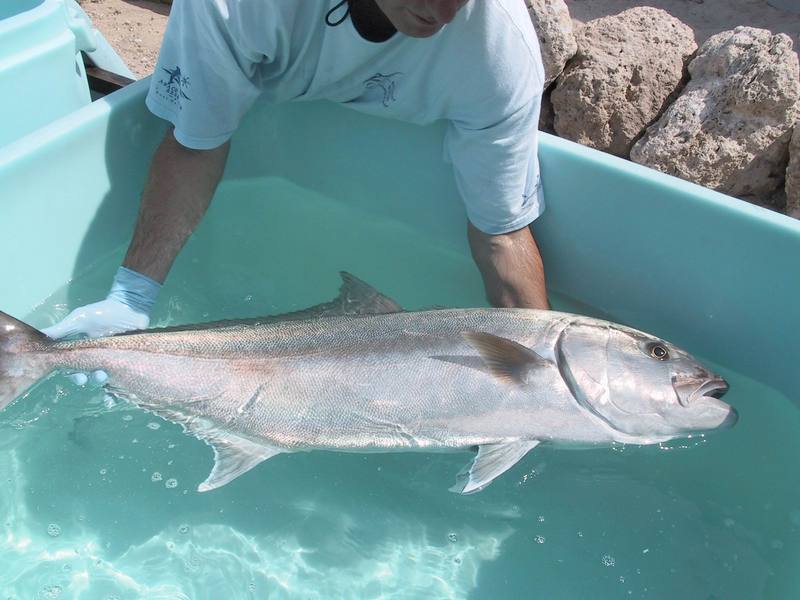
<point>21,359</point>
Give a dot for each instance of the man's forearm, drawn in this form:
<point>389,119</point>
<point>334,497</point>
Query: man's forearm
<point>511,266</point>
<point>179,189</point>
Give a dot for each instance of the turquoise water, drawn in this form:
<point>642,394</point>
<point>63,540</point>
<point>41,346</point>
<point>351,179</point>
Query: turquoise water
<point>98,500</point>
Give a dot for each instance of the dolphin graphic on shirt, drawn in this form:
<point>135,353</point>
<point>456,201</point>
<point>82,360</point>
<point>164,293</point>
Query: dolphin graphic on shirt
<point>386,83</point>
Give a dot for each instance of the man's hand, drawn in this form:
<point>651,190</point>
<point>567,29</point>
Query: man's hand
<point>100,319</point>
<point>127,307</point>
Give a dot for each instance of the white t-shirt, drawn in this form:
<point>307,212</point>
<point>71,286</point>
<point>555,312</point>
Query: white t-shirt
<point>482,73</point>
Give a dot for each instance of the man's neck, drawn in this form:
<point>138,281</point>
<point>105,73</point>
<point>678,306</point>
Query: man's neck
<point>369,21</point>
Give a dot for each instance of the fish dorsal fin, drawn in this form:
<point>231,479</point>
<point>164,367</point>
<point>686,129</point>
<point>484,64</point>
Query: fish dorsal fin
<point>358,297</point>
<point>507,360</point>
<point>492,461</point>
<point>355,298</point>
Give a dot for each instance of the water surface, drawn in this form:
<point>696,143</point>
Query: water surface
<point>98,498</point>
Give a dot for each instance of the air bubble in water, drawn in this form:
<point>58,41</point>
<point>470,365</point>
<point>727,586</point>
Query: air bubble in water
<point>103,471</point>
<point>51,591</point>
<point>155,477</point>
<point>53,530</point>
<point>608,560</point>
<point>171,483</point>
<point>153,425</point>
<point>539,539</point>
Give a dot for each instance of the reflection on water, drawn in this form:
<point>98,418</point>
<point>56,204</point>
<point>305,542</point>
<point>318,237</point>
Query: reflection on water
<point>98,498</point>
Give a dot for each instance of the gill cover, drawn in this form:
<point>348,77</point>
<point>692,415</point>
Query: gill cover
<point>588,359</point>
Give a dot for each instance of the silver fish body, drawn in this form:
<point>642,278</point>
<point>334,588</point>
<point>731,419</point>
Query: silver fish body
<point>500,380</point>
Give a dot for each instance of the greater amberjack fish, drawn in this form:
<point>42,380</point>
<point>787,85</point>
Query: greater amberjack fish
<point>358,374</point>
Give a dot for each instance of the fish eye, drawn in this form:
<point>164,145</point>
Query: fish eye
<point>658,351</point>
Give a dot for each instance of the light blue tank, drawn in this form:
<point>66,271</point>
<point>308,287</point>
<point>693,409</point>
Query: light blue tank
<point>98,499</point>
<point>42,74</point>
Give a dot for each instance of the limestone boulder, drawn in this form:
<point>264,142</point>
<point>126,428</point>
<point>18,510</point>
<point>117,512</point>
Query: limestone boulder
<point>627,70</point>
<point>553,26</point>
<point>731,126</point>
<point>793,175</point>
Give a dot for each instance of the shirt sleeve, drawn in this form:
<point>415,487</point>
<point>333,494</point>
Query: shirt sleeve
<point>496,169</point>
<point>206,76</point>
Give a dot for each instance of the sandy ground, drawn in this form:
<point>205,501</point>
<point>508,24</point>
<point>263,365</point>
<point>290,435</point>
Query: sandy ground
<point>135,27</point>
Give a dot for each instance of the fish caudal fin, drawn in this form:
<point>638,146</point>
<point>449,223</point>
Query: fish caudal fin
<point>21,362</point>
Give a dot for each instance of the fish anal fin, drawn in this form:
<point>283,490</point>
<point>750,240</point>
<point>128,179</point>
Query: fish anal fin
<point>233,456</point>
<point>491,461</point>
<point>507,360</point>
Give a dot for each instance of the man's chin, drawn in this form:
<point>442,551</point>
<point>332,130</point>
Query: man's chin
<point>420,31</point>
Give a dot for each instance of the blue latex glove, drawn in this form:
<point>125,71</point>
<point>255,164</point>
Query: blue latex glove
<point>127,307</point>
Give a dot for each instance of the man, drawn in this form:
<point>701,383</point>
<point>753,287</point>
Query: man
<point>475,63</point>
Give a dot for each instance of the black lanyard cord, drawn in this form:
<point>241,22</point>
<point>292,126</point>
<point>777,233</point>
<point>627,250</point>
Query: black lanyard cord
<point>333,10</point>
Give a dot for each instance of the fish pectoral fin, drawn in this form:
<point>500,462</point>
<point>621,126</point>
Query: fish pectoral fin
<point>233,456</point>
<point>492,461</point>
<point>507,360</point>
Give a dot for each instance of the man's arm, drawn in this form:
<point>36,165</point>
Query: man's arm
<point>179,189</point>
<point>511,266</point>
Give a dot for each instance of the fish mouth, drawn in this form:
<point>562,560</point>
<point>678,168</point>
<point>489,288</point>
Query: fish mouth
<point>701,398</point>
<point>689,391</point>
<point>714,388</point>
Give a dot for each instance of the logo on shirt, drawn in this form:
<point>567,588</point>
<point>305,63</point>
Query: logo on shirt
<point>386,83</point>
<point>172,88</point>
